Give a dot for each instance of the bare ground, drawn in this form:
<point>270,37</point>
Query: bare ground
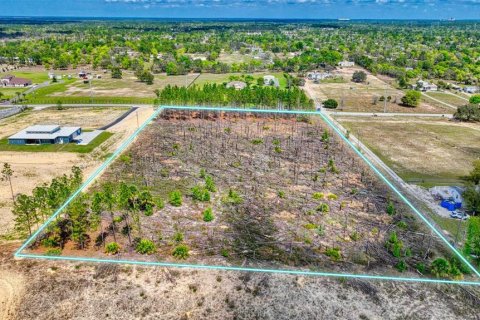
<point>61,290</point>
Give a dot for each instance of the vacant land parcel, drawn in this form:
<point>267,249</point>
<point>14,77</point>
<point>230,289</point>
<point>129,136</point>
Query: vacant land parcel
<point>258,190</point>
<point>370,96</point>
<point>421,150</point>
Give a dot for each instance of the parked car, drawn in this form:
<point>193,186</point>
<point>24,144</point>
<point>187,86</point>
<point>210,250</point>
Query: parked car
<point>459,215</point>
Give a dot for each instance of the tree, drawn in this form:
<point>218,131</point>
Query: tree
<point>24,213</point>
<point>474,175</point>
<point>472,243</point>
<point>110,201</point>
<point>359,76</point>
<point>330,104</point>
<point>471,196</point>
<point>116,73</point>
<point>411,98</point>
<point>7,174</point>
<point>1,95</point>
<point>469,112</point>
<point>59,105</point>
<point>475,99</point>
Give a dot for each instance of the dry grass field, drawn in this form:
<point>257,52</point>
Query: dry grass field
<point>421,150</point>
<point>365,97</point>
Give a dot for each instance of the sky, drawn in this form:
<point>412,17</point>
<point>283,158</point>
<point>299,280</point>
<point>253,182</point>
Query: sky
<point>278,9</point>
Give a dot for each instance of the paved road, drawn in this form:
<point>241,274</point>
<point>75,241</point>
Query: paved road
<point>381,114</point>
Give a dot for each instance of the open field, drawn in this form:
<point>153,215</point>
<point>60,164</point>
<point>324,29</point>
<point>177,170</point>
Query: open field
<point>365,97</point>
<point>167,293</point>
<point>449,98</point>
<point>9,93</point>
<point>424,151</point>
<point>282,198</point>
<point>222,78</point>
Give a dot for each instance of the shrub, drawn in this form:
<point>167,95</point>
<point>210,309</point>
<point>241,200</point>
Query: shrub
<point>203,173</point>
<point>355,236</point>
<point>159,204</point>
<point>175,198</point>
<point>281,194</point>
<point>332,196</point>
<point>333,253</point>
<point>470,112</point>
<point>475,99</point>
<point>440,268</point>
<point>310,226</point>
<point>112,248</point>
<point>257,141</point>
<point>181,251</point>
<point>224,253</point>
<point>145,246</point>
<point>318,195</point>
<point>208,215</point>
<point>210,184</point>
<point>233,197</point>
<point>200,194</point>
<point>421,268</point>
<point>411,98</point>
<point>359,76</point>
<point>178,236</point>
<point>54,252</point>
<point>390,208</point>
<point>330,104</point>
<point>394,245</point>
<point>401,266</point>
<point>320,231</point>
<point>323,208</point>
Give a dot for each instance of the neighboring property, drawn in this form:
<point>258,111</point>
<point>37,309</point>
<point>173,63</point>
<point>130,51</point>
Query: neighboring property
<point>471,89</point>
<point>450,197</point>
<point>346,63</point>
<point>426,86</point>
<point>45,134</point>
<point>12,81</point>
<point>82,75</point>
<point>317,76</point>
<point>270,80</point>
<point>238,85</point>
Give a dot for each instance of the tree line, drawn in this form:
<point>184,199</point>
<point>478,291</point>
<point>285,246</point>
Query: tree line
<point>220,95</point>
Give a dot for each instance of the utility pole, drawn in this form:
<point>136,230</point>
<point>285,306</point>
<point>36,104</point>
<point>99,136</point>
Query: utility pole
<point>138,125</point>
<point>385,100</point>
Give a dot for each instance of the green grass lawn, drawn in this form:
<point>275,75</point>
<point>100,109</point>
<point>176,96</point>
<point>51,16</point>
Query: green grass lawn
<point>9,93</point>
<point>221,78</point>
<point>35,76</point>
<point>70,147</point>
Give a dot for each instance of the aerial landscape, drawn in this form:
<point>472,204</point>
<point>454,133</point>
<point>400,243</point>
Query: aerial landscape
<point>242,160</point>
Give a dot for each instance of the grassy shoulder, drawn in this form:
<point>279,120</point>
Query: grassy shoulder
<point>70,147</point>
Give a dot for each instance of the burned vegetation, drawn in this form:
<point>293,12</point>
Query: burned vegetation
<point>257,190</point>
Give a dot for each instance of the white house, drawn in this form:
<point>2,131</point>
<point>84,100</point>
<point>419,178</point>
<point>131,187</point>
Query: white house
<point>316,76</point>
<point>471,89</point>
<point>346,63</point>
<point>238,85</point>
<point>270,80</point>
<point>426,86</point>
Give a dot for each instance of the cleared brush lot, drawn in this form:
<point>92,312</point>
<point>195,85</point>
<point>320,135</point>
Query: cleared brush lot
<point>275,191</point>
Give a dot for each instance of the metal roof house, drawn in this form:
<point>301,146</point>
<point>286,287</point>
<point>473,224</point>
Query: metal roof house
<point>45,134</point>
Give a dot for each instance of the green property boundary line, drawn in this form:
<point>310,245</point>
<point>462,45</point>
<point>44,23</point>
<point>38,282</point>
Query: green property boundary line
<point>127,142</point>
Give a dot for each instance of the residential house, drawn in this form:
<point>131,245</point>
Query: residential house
<point>426,86</point>
<point>45,134</point>
<point>346,63</point>
<point>238,85</point>
<point>12,81</point>
<point>270,80</point>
